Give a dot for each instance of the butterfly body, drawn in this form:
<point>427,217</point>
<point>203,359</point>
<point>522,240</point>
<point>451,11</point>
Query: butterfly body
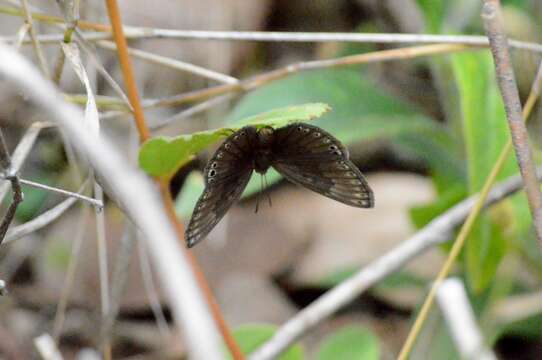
<point>263,153</point>
<point>304,154</point>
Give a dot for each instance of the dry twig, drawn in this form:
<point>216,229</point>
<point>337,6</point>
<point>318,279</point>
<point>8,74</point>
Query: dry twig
<point>436,232</point>
<point>13,178</point>
<point>509,91</point>
<point>459,316</point>
<point>137,195</point>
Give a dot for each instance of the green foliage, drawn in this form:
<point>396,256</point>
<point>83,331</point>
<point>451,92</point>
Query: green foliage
<point>485,132</point>
<point>250,337</point>
<point>434,11</point>
<point>163,156</point>
<point>350,343</point>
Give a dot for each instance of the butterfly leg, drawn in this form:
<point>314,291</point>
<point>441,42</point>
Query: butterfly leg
<point>258,195</point>
<point>267,193</point>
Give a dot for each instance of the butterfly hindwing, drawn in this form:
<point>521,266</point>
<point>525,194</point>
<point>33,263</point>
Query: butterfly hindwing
<point>226,176</point>
<point>311,157</point>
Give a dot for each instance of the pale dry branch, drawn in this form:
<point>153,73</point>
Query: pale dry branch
<point>21,152</point>
<point>39,222</point>
<point>34,39</point>
<point>493,22</point>
<point>173,64</point>
<point>10,174</point>
<point>380,38</point>
<point>140,200</point>
<point>436,232</point>
<point>455,306</point>
<point>94,202</point>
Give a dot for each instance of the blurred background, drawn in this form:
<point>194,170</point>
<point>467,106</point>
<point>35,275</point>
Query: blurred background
<point>425,131</point>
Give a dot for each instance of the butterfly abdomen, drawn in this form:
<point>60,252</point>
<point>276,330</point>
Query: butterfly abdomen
<point>263,150</point>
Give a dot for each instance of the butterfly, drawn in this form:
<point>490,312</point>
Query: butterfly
<point>302,153</point>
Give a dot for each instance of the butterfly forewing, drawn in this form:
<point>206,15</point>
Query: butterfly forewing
<point>226,176</point>
<point>311,157</point>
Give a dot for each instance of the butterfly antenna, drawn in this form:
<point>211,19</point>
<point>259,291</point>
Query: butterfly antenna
<point>267,193</point>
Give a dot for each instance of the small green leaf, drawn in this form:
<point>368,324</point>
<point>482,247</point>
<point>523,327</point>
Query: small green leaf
<point>485,133</point>
<point>283,116</point>
<point>163,156</point>
<point>350,343</point>
<point>250,337</point>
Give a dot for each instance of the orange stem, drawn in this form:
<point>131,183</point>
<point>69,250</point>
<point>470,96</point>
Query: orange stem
<point>144,134</point>
<point>213,305</point>
<point>126,67</point>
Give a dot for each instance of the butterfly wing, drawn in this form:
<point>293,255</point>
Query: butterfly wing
<point>309,156</point>
<point>226,176</point>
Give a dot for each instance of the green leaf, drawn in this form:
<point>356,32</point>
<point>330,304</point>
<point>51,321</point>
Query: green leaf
<point>350,343</point>
<point>250,337</point>
<point>283,116</point>
<point>436,147</point>
<point>485,133</point>
<point>163,156</point>
<point>433,11</point>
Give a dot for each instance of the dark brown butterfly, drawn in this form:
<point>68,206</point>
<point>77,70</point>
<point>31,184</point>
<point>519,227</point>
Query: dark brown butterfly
<point>304,154</point>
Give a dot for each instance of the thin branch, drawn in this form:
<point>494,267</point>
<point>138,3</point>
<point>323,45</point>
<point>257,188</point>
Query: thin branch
<point>10,213</point>
<point>137,196</point>
<point>75,256</point>
<point>459,316</point>
<point>94,202</point>
<point>191,111</point>
<point>438,231</point>
<point>21,35</point>
<point>34,39</point>
<point>150,290</point>
<point>262,79</point>
<point>517,307</point>
<point>126,67</point>
<point>101,247</point>
<point>380,38</point>
<point>509,91</point>
<point>3,288</point>
<point>173,64</point>
<point>70,8</point>
<point>46,347</point>
<point>277,74</point>
<point>21,152</point>
<point>11,175</point>
<point>118,282</point>
<point>90,51</point>
<point>41,221</point>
